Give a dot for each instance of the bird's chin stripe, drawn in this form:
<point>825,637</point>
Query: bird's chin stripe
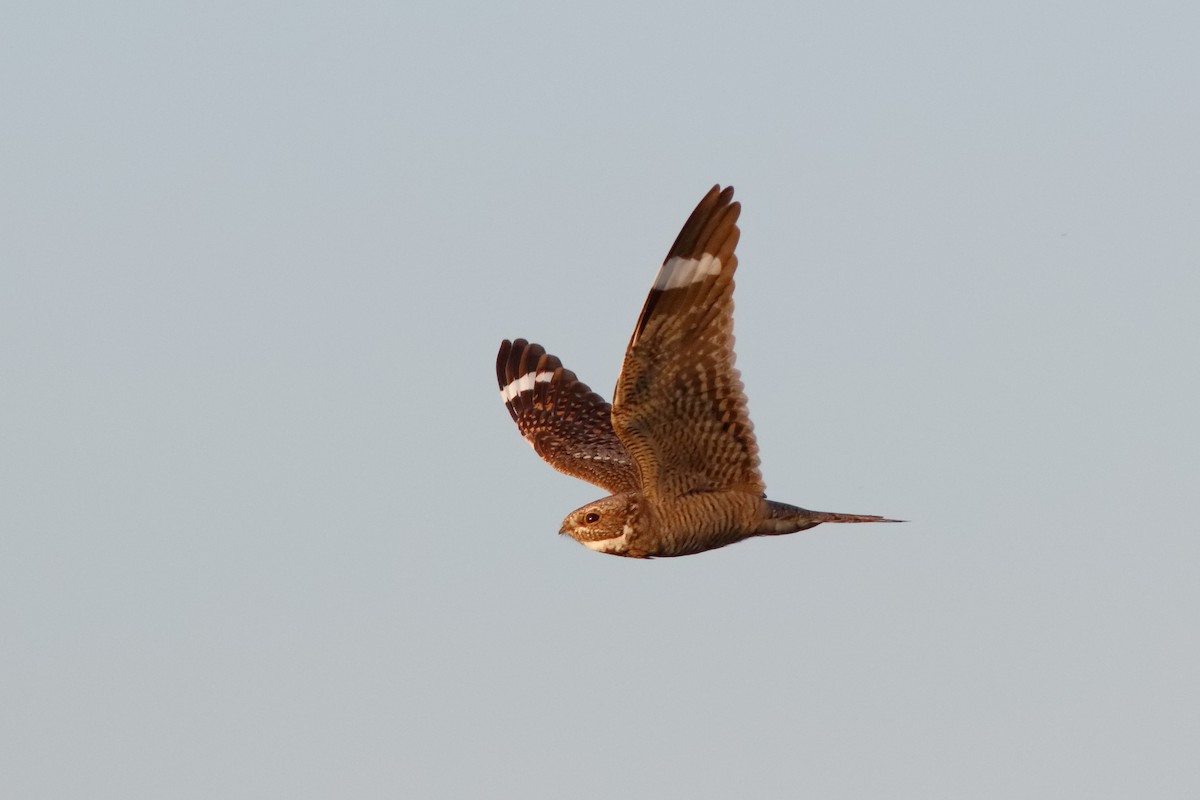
<point>524,383</point>
<point>679,272</point>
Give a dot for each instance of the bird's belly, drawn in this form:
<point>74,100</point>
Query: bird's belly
<point>706,521</point>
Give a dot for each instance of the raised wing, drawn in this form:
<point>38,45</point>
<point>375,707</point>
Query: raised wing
<point>679,407</point>
<point>568,424</point>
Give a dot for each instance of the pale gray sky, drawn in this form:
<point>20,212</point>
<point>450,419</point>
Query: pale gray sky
<point>266,529</point>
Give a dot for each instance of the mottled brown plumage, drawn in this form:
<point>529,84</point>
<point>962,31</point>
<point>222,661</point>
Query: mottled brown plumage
<point>677,447</point>
<point>568,424</point>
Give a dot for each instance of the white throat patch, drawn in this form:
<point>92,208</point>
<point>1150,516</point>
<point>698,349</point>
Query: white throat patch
<point>618,544</point>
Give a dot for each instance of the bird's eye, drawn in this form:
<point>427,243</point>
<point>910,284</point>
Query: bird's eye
<point>591,517</point>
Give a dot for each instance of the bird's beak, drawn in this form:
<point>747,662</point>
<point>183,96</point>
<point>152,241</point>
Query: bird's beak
<point>564,530</point>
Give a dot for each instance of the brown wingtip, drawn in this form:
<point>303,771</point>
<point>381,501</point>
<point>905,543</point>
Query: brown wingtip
<point>714,218</point>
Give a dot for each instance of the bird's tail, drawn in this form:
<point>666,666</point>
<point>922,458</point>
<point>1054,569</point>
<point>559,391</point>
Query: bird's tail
<point>783,518</point>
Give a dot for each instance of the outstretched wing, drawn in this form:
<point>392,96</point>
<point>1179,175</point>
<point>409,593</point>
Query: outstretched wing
<point>568,424</point>
<point>679,407</point>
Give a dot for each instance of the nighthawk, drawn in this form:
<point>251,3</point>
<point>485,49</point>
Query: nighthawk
<point>676,448</point>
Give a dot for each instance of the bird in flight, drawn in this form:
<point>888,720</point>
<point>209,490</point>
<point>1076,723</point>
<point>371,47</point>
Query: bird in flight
<point>676,448</point>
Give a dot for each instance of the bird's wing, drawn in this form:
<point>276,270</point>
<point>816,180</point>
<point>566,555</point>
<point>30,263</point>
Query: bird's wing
<point>679,407</point>
<point>568,424</point>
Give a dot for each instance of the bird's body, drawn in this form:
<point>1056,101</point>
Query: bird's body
<point>676,448</point>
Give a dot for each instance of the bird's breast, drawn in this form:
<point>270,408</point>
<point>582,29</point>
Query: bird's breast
<point>705,520</point>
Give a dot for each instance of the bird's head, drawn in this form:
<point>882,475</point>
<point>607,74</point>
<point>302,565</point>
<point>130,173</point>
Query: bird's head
<point>604,525</point>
